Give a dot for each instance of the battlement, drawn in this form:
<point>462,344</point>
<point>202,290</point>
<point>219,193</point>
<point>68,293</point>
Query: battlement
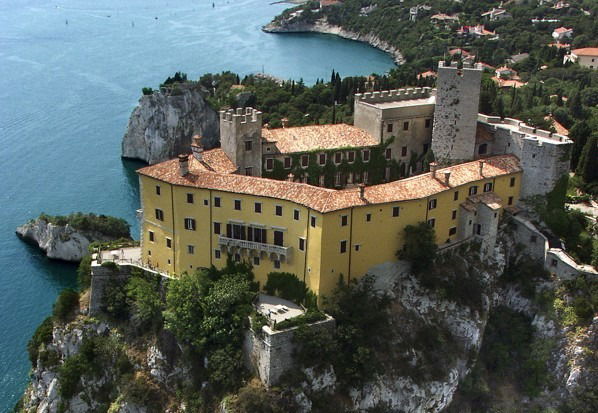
<point>517,127</point>
<point>240,115</point>
<point>395,95</point>
<point>454,65</point>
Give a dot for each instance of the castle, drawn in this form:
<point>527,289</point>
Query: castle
<point>326,202</point>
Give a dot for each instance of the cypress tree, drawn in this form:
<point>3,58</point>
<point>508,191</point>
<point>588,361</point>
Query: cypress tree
<point>575,106</point>
<point>579,133</point>
<point>588,161</point>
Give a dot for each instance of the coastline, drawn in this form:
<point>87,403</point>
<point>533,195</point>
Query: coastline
<point>322,26</point>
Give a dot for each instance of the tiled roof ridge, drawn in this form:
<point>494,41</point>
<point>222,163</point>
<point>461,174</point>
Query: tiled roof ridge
<point>327,200</point>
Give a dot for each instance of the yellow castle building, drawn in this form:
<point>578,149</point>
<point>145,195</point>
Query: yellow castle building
<point>197,212</point>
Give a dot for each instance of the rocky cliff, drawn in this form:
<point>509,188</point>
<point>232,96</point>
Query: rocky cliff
<point>162,125</point>
<point>62,241</point>
<point>322,26</point>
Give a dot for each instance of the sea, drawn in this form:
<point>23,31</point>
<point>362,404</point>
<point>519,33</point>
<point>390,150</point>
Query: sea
<point>71,71</point>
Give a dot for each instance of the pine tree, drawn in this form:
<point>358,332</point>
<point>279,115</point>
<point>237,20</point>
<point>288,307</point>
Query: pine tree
<point>333,77</point>
<point>579,133</point>
<point>588,161</point>
<point>575,106</point>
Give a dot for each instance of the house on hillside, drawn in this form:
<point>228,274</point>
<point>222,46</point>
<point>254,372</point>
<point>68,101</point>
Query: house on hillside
<point>476,31</point>
<point>497,14</point>
<point>562,33</point>
<point>586,57</point>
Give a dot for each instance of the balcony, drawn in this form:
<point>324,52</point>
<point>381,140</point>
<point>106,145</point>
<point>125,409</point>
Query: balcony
<point>270,249</point>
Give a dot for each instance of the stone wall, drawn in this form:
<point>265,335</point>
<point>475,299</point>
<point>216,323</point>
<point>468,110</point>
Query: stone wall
<point>269,354</point>
<point>100,278</point>
<point>238,128</point>
<point>455,116</point>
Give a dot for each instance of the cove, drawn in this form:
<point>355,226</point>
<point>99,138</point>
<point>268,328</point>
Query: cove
<point>71,71</point>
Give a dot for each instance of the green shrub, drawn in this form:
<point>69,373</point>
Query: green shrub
<point>67,302</point>
<point>69,375</point>
<point>147,91</point>
<point>42,335</point>
<point>110,264</point>
<point>106,225</point>
<point>287,286</point>
<point>314,347</point>
<point>144,299</point>
<point>305,318</point>
<point>225,367</point>
<point>114,299</point>
<point>84,272</point>
<point>419,247</point>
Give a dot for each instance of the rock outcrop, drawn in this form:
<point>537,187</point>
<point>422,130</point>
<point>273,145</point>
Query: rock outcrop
<point>322,26</point>
<point>60,242</point>
<point>162,125</point>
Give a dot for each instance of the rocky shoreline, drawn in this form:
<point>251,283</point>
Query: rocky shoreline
<point>322,26</point>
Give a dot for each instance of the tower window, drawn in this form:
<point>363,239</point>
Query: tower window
<point>483,149</point>
<point>159,214</point>
<point>249,171</point>
<point>389,128</point>
<point>428,123</point>
<point>157,189</point>
<point>248,145</point>
<point>512,182</point>
<point>405,125</point>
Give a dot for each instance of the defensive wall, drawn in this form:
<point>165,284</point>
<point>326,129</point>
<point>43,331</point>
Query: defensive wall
<point>544,155</point>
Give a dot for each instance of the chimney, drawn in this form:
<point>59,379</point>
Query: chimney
<point>361,191</point>
<point>447,176</point>
<point>433,167</point>
<point>183,165</point>
<point>482,167</point>
<point>197,147</point>
<point>291,177</point>
<point>284,122</point>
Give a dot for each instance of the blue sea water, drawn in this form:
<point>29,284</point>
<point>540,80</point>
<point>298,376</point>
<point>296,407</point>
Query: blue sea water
<point>71,71</point>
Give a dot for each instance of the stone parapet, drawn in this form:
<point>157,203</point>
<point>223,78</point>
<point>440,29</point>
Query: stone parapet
<point>395,95</point>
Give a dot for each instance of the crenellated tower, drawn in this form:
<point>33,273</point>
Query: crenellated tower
<point>456,112</point>
<point>240,139</point>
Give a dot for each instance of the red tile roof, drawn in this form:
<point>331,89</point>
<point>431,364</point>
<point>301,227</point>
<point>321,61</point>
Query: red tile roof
<point>214,160</point>
<point>327,200</point>
<point>586,51</point>
<point>314,137</point>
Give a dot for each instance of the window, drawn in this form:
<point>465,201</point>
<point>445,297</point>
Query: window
<point>337,178</point>
<point>151,236</point>
<point>389,127</point>
<point>238,204</point>
<point>368,217</point>
<point>277,264</point>
<point>296,215</point>
<point>452,231</point>
<point>321,180</point>
<point>554,263</point>
<point>365,177</point>
<point>278,210</point>
<point>205,202</point>
<point>322,159</point>
<point>456,196</point>
<point>344,220</point>
<point>238,257</point>
<point>256,260</point>
<point>159,214</point>
<point>249,171</point>
<point>488,187</point>
<point>473,190</point>
<point>395,211</point>
<point>257,207</point>
<point>404,151</point>
<point>482,149</point>
<point>304,160</point>
<point>190,224</point>
<point>478,229</point>
<point>351,156</point>
<point>405,125</point>
<point>189,198</point>
<point>512,182</point>
<point>278,238</point>
<point>217,228</point>
<point>428,123</point>
<point>432,204</point>
<point>301,244</point>
<point>365,155</point>
<point>432,222</point>
<point>426,147</point>
<point>149,252</point>
<point>357,246</point>
<point>454,215</point>
<point>191,249</point>
<point>217,254</point>
<point>248,145</point>
<point>217,202</point>
<point>343,247</point>
<point>269,164</point>
<point>533,239</point>
<point>338,157</point>
<point>287,162</point>
<point>157,189</point>
<point>313,222</point>
<point>387,154</point>
<point>256,235</point>
<point>510,200</point>
<point>168,243</point>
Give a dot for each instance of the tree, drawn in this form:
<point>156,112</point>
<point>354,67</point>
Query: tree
<point>420,246</point>
<point>145,301</point>
<point>579,133</point>
<point>575,106</point>
<point>587,167</point>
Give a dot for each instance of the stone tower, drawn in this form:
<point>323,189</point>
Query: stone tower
<point>240,139</point>
<point>456,113</point>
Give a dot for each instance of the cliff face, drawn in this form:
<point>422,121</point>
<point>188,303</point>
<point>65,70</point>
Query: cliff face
<point>322,26</point>
<point>162,125</point>
<point>60,242</point>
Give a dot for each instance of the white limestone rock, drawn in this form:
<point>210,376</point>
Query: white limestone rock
<point>162,125</point>
<point>59,242</point>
